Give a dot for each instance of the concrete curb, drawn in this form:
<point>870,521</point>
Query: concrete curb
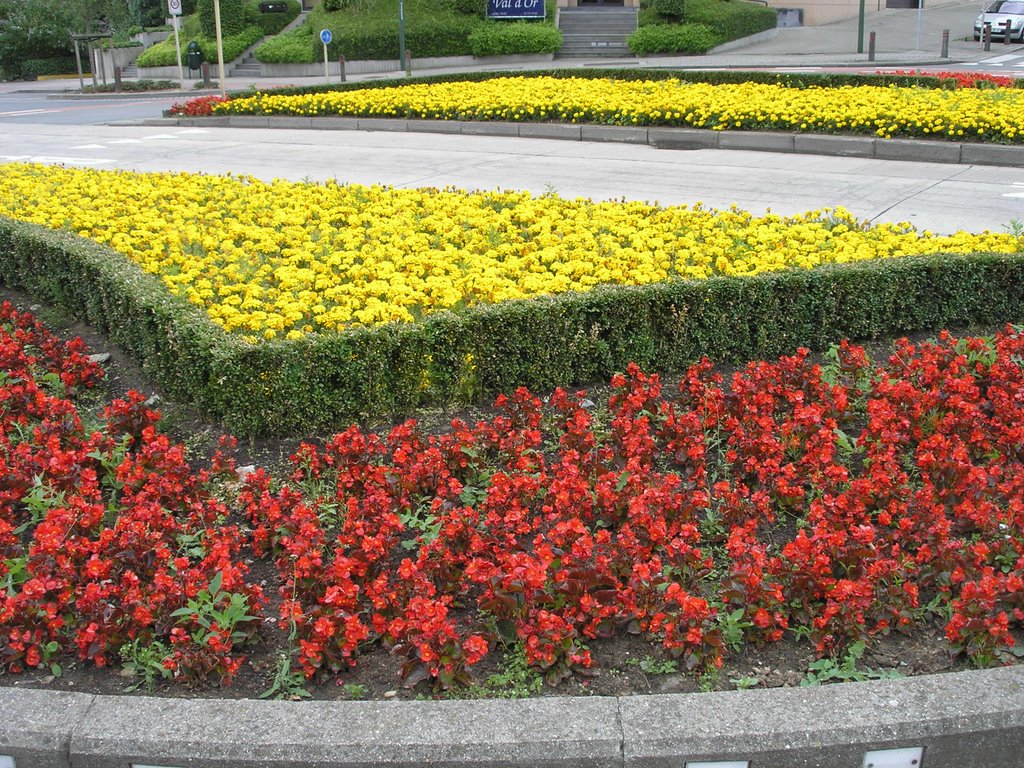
<point>957,719</point>
<point>868,147</point>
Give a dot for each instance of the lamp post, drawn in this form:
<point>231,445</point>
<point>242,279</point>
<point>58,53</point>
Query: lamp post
<point>860,29</point>
<point>220,48</point>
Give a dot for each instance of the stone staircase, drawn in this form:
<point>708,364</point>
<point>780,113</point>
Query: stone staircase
<point>246,66</point>
<point>596,32</point>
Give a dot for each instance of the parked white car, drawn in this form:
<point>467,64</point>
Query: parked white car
<point>997,15</point>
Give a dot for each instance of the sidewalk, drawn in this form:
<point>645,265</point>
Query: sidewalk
<point>904,38</point>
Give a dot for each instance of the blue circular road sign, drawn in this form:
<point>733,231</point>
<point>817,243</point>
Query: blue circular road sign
<point>326,36</point>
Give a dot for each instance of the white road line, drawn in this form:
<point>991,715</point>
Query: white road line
<point>185,131</point>
<point>89,146</point>
<point>1014,194</point>
<point>23,112</point>
<point>1001,59</point>
<point>14,158</point>
<point>160,137</point>
<point>47,159</point>
<point>125,141</point>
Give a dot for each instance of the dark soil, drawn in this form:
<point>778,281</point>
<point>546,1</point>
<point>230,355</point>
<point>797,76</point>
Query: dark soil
<point>623,665</point>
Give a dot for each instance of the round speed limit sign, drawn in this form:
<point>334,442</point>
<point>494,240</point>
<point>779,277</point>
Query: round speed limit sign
<point>174,7</point>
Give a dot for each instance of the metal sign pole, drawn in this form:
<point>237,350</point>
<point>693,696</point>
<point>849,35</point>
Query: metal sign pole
<point>920,6</point>
<point>325,38</point>
<point>174,6</point>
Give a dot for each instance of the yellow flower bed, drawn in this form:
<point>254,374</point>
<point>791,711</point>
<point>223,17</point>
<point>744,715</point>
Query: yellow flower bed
<point>283,259</point>
<point>995,114</point>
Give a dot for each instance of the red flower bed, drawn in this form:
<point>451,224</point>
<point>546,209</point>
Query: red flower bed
<point>964,79</point>
<point>201,106</point>
<point>837,503</point>
<point>105,531</point>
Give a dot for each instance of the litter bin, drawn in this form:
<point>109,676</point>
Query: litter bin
<point>194,55</point>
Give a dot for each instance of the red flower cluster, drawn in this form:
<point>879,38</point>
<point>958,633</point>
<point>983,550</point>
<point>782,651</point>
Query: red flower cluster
<point>105,531</point>
<point>838,501</point>
<point>964,79</point>
<point>201,106</point>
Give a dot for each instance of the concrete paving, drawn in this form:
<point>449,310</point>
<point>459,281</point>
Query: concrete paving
<point>959,720</point>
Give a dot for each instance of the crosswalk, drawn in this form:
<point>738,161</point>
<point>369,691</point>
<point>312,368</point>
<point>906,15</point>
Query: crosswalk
<point>1004,61</point>
<point>107,147</point>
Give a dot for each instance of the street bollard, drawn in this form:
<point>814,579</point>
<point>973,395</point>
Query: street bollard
<point>871,46</point>
<point>205,69</point>
<point>1007,39</point>
<point>117,79</point>
<point>986,36</point>
<point>341,66</point>
<point>945,44</point>
<point>408,63</point>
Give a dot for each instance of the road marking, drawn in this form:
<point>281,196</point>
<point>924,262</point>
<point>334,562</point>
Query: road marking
<point>14,158</point>
<point>23,112</point>
<point>1015,194</point>
<point>160,136</point>
<point>125,141</point>
<point>59,160</point>
<point>1001,59</point>
<point>89,146</point>
<point>185,131</point>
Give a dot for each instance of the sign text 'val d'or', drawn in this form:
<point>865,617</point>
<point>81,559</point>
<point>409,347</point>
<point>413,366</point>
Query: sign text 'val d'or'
<point>515,9</point>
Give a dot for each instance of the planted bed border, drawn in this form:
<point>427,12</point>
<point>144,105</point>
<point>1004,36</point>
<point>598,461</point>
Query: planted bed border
<point>955,719</point>
<point>327,381</point>
<point>868,147</point>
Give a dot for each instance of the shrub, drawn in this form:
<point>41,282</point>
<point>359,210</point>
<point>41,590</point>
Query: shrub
<point>496,38</point>
<point>58,65</point>
<point>273,23</point>
<point>329,379</point>
<point>671,9</point>
<point>297,46</point>
<point>731,20</point>
<point>668,38</point>
<point>445,36</point>
<point>234,17</point>
<point>470,7</point>
<point>163,54</point>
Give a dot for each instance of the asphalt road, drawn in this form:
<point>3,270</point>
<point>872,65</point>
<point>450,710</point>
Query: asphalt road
<point>937,197</point>
<point>32,108</point>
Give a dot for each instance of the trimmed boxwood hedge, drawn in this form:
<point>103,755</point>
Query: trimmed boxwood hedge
<point>327,381</point>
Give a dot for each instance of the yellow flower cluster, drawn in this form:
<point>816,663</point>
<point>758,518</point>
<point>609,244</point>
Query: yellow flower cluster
<point>995,114</point>
<point>279,260</point>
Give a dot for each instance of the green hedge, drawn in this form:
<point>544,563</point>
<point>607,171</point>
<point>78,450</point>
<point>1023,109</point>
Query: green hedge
<point>163,54</point>
<point>327,381</point>
<point>673,38</point>
<point>725,20</point>
<point>299,46</point>
<point>29,69</point>
<point>447,36</point>
<point>497,38</point>
<point>273,23</point>
<point>732,20</point>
